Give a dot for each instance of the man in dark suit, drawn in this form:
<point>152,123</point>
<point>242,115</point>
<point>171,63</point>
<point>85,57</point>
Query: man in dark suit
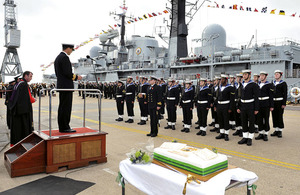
<point>65,78</point>
<point>154,105</point>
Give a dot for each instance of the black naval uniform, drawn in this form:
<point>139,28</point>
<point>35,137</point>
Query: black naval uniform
<point>154,101</point>
<point>225,102</point>
<point>187,104</point>
<point>265,103</point>
<point>214,114</point>
<point>130,96</point>
<point>248,104</point>
<point>238,120</point>
<point>164,87</point>
<point>232,115</point>
<point>120,97</point>
<point>203,101</point>
<point>65,78</point>
<point>280,96</point>
<point>143,103</point>
<point>8,112</point>
<point>172,100</point>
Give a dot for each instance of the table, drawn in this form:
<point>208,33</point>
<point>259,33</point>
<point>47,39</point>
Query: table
<point>154,179</point>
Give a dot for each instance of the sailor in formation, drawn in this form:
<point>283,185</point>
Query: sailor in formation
<point>142,93</point>
<point>213,112</point>
<point>172,100</point>
<point>164,87</point>
<point>224,106</point>
<point>187,104</point>
<point>248,107</point>
<point>120,97</point>
<point>232,124</point>
<point>154,105</point>
<point>266,104</point>
<point>129,98</point>
<point>280,97</point>
<point>237,117</point>
<point>202,103</point>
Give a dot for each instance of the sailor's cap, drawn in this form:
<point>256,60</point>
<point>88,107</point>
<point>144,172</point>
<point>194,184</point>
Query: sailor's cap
<point>225,76</point>
<point>142,77</point>
<point>66,45</point>
<point>18,76</point>
<point>263,72</point>
<point>239,75</point>
<point>171,80</point>
<point>217,78</point>
<point>119,81</point>
<point>231,76</point>
<point>278,71</point>
<point>256,74</point>
<point>188,81</point>
<point>153,78</point>
<point>246,71</point>
<point>129,77</point>
<point>203,79</point>
<point>11,82</point>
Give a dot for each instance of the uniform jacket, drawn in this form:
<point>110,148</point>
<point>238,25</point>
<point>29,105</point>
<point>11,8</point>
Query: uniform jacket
<point>63,71</point>
<point>280,91</point>
<point>172,96</point>
<point>187,98</point>
<point>130,92</point>
<point>251,91</point>
<point>204,94</point>
<point>266,94</point>
<point>143,90</point>
<point>120,93</point>
<point>154,96</point>
<point>225,93</point>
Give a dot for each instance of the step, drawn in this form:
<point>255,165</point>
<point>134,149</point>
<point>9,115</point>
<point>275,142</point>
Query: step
<point>12,157</point>
<point>28,146</point>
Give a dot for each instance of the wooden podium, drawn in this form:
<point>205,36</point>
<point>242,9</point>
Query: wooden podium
<point>39,152</point>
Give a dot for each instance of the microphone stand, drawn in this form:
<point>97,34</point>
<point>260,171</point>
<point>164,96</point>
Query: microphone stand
<point>89,57</point>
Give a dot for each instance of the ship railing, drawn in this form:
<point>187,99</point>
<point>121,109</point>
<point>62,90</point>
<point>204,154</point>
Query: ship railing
<point>86,91</point>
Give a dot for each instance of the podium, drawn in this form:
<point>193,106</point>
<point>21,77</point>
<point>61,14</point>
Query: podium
<point>37,153</point>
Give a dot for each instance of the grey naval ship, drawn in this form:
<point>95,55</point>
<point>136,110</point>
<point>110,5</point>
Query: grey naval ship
<point>142,56</point>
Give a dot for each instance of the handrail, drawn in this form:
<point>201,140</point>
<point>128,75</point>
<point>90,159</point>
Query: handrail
<point>84,106</point>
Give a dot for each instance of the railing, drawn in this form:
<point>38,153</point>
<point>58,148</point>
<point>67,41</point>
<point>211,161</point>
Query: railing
<point>294,74</point>
<point>84,107</point>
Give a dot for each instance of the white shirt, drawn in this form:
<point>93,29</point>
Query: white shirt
<point>65,53</point>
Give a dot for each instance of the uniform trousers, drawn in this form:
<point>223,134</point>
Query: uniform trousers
<point>143,109</point>
<point>238,120</point>
<point>263,119</point>
<point>223,117</point>
<point>120,107</point>
<point>187,115</point>
<point>202,116</point>
<point>248,119</point>
<point>130,106</point>
<point>64,109</point>
<point>162,109</point>
<point>153,112</point>
<point>277,115</point>
<point>171,109</point>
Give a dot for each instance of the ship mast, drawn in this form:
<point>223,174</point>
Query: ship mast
<point>122,42</point>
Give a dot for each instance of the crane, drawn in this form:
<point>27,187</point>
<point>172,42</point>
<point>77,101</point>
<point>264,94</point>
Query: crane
<point>11,65</point>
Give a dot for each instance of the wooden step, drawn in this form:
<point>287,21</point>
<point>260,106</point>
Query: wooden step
<point>11,157</point>
<point>28,146</point>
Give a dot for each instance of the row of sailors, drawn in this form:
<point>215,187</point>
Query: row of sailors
<point>239,102</point>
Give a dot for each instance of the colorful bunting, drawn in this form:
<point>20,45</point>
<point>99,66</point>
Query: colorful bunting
<point>281,12</point>
<point>273,11</point>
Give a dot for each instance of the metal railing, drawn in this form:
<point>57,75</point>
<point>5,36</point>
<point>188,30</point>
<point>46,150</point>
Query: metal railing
<point>84,107</point>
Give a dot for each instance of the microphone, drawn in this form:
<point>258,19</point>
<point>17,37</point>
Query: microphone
<point>89,57</point>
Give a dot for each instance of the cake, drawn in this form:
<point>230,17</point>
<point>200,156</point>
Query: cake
<point>199,161</point>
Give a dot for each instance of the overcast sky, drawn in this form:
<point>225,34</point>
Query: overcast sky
<point>45,24</point>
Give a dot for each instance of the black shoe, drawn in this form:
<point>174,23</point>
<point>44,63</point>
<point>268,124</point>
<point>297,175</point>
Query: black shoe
<point>149,134</point>
<point>187,130</point>
<point>183,130</point>
<point>153,135</point>
<point>196,123</point>
<point>199,133</point>
<point>279,134</point>
<point>265,138</point>
<point>203,133</point>
<point>173,127</point>
<point>226,137</point>
<point>67,131</point>
<point>168,127</point>
<point>127,121</point>
<point>119,119</point>
<point>241,133</point>
<point>236,133</point>
<point>211,124</point>
<point>130,121</point>
<point>243,141</point>
<point>275,133</point>
<point>213,130</point>
<point>142,122</point>
<point>221,136</point>
<point>256,130</point>
<point>260,136</point>
<point>197,127</point>
<point>249,142</point>
<point>233,127</point>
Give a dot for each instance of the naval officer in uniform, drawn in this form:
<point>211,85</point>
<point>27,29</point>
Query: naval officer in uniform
<point>65,78</point>
<point>172,100</point>
<point>187,105</point>
<point>120,97</point>
<point>129,97</point>
<point>154,105</point>
<point>280,96</point>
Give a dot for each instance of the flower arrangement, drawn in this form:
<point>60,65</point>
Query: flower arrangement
<point>140,157</point>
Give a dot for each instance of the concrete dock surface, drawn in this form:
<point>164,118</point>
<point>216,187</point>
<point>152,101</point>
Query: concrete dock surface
<point>276,162</point>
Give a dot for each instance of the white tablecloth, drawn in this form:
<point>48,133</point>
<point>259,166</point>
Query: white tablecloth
<point>154,179</point>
